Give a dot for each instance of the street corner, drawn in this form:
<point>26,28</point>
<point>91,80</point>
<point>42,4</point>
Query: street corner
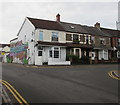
<point>115,74</point>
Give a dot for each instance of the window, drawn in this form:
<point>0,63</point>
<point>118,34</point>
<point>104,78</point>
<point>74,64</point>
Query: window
<point>41,36</point>
<point>102,41</point>
<point>93,40</point>
<point>69,37</point>
<point>39,53</point>
<point>54,36</point>
<point>82,38</point>
<point>75,37</point>
<point>103,54</point>
<point>55,53</point>
<point>87,40</point>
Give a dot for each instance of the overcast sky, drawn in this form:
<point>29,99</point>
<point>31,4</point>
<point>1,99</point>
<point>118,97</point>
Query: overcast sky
<point>12,14</point>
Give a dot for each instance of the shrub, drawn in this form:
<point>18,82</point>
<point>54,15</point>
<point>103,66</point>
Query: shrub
<point>73,58</point>
<point>85,59</point>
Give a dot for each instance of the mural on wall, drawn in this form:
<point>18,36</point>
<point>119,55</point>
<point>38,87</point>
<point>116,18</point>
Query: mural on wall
<point>19,50</point>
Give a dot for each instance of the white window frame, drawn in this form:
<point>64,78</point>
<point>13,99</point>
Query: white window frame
<point>54,49</point>
<point>102,54</point>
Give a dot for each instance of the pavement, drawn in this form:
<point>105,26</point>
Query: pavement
<point>63,84</point>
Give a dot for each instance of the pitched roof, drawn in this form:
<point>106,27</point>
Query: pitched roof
<point>46,24</point>
<point>111,31</point>
<point>13,39</point>
<point>75,28</point>
<point>71,27</point>
<point>95,31</point>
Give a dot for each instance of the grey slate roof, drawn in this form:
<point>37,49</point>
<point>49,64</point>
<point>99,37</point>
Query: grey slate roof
<point>75,28</point>
<point>111,31</point>
<point>95,31</point>
<point>46,24</point>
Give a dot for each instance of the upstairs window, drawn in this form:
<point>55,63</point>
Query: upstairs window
<point>102,41</point>
<point>92,40</point>
<point>82,38</point>
<point>75,37</point>
<point>41,36</point>
<point>87,40</point>
<point>68,37</point>
<point>54,36</point>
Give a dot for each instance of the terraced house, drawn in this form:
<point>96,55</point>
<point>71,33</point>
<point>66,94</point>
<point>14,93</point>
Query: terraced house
<point>60,43</point>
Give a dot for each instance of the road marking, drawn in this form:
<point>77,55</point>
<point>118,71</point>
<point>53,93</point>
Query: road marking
<point>110,73</point>
<point>12,93</point>
<point>17,96</point>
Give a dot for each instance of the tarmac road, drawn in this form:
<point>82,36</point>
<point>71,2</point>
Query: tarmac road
<point>63,84</point>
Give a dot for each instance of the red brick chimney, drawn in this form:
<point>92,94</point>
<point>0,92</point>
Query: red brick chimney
<point>58,17</point>
<point>97,25</point>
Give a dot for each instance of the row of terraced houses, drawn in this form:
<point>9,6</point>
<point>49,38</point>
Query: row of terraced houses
<point>60,43</point>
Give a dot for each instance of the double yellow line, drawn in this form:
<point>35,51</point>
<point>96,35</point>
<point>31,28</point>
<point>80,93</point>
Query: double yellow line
<point>110,73</point>
<point>14,92</point>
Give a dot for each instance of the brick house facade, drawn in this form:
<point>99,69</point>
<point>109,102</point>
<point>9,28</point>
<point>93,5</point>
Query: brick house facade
<point>52,41</point>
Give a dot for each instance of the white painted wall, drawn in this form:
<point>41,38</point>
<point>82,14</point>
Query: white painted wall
<point>48,33</point>
<point>46,57</point>
<point>28,30</point>
<point>63,53</point>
